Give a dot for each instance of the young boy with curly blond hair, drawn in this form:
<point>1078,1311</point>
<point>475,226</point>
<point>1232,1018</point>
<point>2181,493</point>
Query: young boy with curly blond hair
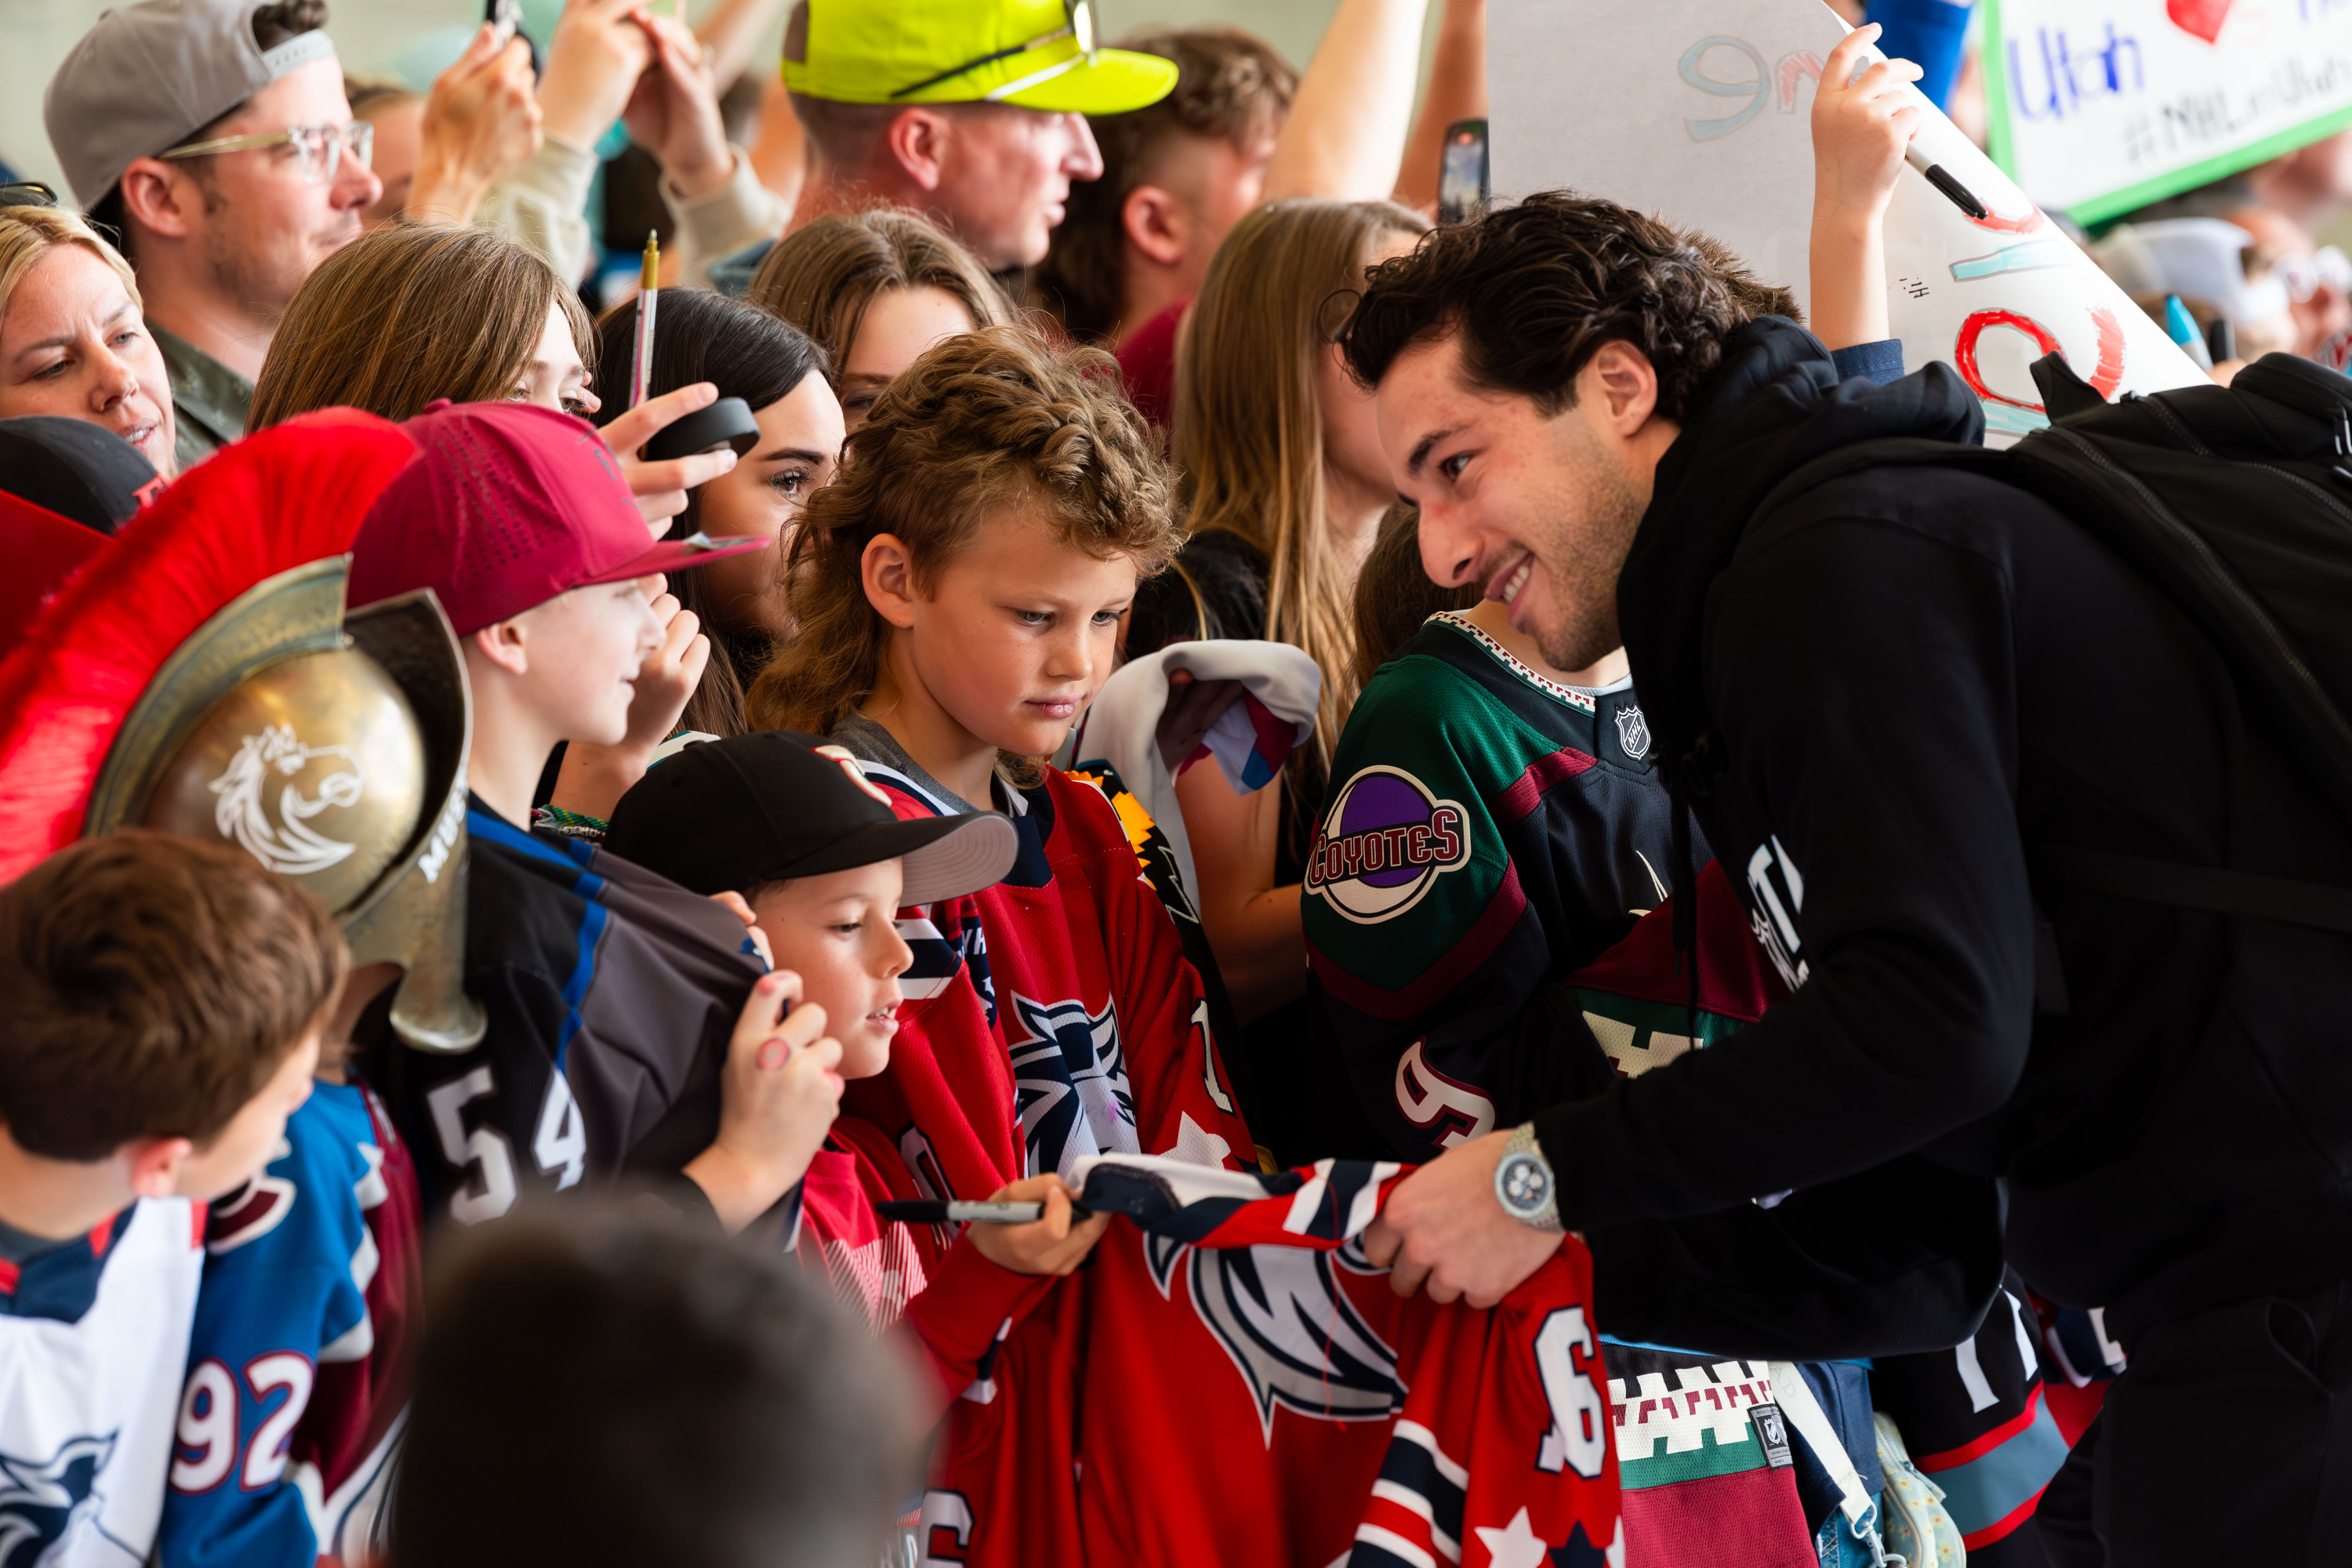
<point>959,593</point>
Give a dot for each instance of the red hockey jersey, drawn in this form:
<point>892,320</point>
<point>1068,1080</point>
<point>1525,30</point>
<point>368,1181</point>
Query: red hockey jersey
<point>1051,1016</point>
<point>1257,1396</point>
<point>956,1311</point>
<point>1052,1020</point>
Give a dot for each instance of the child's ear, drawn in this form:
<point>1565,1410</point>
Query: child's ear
<point>889,575</point>
<point>505,646</point>
<point>155,1164</point>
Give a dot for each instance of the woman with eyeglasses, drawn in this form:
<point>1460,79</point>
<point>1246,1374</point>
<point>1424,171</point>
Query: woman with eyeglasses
<point>72,340</point>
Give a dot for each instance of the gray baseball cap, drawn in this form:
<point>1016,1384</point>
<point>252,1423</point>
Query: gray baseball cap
<point>149,76</point>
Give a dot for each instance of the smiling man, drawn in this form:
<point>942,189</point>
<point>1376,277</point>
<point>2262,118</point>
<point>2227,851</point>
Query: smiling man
<point>1883,698</point>
<point>214,136</point>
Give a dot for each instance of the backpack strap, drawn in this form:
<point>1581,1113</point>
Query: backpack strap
<point>2228,892</point>
<point>1895,452</point>
<point>2314,904</point>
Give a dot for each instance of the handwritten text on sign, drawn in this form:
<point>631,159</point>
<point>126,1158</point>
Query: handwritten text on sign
<point>1700,110</point>
<point>2102,105</point>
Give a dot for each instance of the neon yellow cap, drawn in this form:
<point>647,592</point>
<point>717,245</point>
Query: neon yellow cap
<point>1037,54</point>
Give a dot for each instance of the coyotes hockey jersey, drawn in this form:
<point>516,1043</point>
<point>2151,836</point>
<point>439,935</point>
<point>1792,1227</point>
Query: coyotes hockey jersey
<point>298,1367</point>
<point>1487,831</point>
<point>611,994</point>
<point>93,1339</point>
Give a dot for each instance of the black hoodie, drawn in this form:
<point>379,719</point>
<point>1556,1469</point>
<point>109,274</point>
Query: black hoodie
<point>1879,701</point>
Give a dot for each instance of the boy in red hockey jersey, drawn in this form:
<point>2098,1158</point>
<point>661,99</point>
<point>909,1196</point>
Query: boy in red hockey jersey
<point>822,864</point>
<point>958,595</point>
<point>160,1010</point>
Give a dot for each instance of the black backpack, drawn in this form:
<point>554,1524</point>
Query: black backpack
<point>2236,502</point>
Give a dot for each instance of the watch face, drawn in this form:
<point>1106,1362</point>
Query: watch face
<point>1525,1185</point>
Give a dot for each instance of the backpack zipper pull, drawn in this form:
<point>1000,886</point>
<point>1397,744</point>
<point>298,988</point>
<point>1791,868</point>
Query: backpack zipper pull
<point>2342,467</point>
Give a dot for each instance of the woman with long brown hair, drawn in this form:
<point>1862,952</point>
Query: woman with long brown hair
<point>414,312</point>
<point>750,354</point>
<point>873,289</point>
<point>1285,488</point>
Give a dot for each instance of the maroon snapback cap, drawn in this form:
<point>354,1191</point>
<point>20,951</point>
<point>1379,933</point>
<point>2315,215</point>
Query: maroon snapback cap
<point>507,505</point>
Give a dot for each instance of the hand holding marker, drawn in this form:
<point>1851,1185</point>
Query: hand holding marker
<point>933,1211</point>
<point>1941,178</point>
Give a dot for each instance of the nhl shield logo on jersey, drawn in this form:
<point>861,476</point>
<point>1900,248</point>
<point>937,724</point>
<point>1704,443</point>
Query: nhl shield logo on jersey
<point>1383,845</point>
<point>1632,732</point>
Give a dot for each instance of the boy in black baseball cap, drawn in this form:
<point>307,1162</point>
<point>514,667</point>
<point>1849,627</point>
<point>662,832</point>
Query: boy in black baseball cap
<point>822,865</point>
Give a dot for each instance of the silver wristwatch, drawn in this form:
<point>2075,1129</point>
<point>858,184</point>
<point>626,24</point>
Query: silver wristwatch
<point>1524,1183</point>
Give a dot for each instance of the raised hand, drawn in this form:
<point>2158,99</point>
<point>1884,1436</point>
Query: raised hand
<point>594,778</point>
<point>674,112</point>
<point>778,1096</point>
<point>660,488</point>
<point>1863,121</point>
<point>598,53</point>
<point>481,119</point>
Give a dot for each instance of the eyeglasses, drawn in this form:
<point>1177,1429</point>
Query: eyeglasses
<point>321,149</point>
<point>27,194</point>
<point>2328,267</point>
<point>1080,26</point>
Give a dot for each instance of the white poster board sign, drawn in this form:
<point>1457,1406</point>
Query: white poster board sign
<point>2098,107</point>
<point>1699,110</point>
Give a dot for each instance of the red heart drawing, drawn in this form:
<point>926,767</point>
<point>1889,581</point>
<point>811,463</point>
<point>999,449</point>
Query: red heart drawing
<point>2199,18</point>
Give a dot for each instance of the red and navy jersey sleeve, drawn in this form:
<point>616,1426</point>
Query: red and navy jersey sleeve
<point>1183,1100</point>
<point>298,1364</point>
<point>1503,1452</point>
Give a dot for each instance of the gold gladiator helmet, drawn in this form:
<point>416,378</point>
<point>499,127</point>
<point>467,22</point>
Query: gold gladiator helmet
<point>197,674</point>
<point>332,748</point>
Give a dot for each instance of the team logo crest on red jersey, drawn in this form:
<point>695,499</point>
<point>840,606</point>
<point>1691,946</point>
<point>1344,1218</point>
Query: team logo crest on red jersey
<point>1385,844</point>
<point>1293,1335</point>
<point>1069,1082</point>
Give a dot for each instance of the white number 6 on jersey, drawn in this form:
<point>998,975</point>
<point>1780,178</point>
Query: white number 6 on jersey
<point>1580,1409</point>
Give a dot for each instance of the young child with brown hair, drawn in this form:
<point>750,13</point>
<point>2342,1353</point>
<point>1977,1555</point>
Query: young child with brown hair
<point>161,1003</point>
<point>958,592</point>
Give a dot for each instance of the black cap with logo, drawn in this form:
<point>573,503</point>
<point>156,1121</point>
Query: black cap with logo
<point>723,815</point>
